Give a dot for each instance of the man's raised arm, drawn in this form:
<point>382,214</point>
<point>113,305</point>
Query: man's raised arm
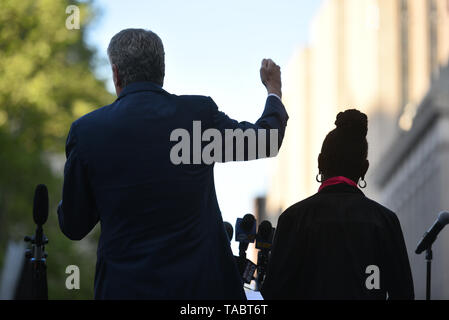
<point>243,141</point>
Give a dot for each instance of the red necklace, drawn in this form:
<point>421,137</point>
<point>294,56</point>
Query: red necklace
<point>337,180</point>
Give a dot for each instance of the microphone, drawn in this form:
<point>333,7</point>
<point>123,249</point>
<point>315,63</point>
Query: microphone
<point>247,223</point>
<point>40,213</point>
<point>264,241</point>
<point>40,208</point>
<point>264,238</point>
<point>245,229</point>
<point>229,230</point>
<point>431,234</point>
<point>245,233</point>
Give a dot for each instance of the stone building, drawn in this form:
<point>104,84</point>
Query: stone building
<point>386,58</point>
<point>414,183</point>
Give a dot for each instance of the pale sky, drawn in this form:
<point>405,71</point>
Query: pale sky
<point>215,48</point>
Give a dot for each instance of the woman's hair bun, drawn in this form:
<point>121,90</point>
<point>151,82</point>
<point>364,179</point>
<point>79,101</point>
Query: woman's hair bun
<point>352,122</point>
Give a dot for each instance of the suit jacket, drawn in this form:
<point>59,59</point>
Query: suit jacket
<point>325,247</point>
<point>162,234</point>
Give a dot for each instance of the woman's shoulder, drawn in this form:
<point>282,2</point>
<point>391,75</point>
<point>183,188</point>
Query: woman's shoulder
<point>381,209</point>
<point>316,201</point>
<point>299,207</point>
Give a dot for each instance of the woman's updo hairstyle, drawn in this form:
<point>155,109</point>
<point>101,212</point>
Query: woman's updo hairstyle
<point>345,148</point>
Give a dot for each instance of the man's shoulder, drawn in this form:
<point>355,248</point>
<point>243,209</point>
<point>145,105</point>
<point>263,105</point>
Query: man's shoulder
<point>198,102</point>
<point>88,122</point>
<point>95,114</point>
<point>195,106</point>
<point>194,99</point>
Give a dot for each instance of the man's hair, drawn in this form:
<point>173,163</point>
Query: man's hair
<point>138,55</point>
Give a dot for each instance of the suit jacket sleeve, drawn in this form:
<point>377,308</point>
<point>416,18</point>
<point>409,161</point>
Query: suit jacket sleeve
<point>77,213</point>
<point>274,118</point>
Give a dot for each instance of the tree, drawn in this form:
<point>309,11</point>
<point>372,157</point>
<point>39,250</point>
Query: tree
<point>46,82</point>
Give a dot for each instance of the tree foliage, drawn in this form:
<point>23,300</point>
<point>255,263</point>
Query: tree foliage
<point>46,82</point>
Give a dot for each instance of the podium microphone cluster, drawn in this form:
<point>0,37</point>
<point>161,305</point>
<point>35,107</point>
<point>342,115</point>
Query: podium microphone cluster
<point>245,233</point>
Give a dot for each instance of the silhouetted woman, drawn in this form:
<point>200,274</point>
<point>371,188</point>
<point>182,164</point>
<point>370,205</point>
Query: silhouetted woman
<point>338,244</point>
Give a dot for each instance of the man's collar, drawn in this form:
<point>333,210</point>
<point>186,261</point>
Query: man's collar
<point>140,86</point>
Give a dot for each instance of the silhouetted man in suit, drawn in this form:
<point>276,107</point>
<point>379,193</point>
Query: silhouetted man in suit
<point>162,234</point>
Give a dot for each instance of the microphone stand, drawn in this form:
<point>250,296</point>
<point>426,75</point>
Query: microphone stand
<point>262,261</point>
<point>429,257</point>
<point>426,244</point>
<point>242,257</point>
<point>36,257</point>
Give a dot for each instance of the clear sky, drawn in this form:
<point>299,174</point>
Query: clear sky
<point>215,48</point>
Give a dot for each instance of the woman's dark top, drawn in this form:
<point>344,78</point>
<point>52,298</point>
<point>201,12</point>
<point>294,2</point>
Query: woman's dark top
<point>324,245</point>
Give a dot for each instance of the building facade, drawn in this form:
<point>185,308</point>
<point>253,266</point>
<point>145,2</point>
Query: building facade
<point>379,56</point>
<point>414,180</point>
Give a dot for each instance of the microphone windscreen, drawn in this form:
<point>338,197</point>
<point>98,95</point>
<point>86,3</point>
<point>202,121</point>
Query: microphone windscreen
<point>443,217</point>
<point>265,229</point>
<point>40,207</point>
<point>229,230</point>
<point>248,222</point>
